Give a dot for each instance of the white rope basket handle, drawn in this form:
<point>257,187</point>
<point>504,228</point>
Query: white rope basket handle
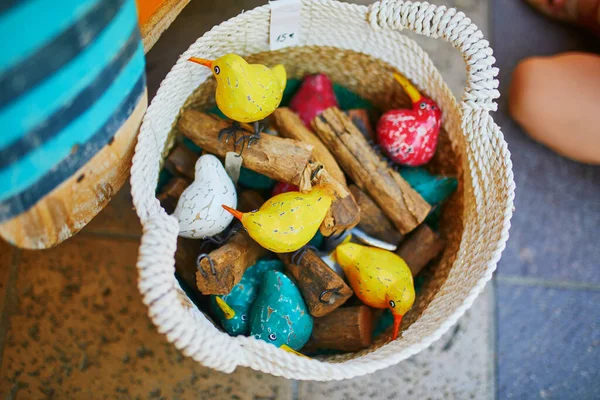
<point>433,21</point>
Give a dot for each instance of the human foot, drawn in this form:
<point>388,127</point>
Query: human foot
<point>583,12</point>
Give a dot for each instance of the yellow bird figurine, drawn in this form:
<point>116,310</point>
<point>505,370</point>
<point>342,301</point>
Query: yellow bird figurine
<point>245,92</point>
<point>288,221</point>
<point>380,279</point>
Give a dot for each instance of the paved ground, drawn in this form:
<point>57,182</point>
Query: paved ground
<point>548,281</point>
<point>72,324</point>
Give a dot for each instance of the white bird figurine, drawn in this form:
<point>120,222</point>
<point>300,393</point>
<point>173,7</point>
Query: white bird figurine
<point>199,209</point>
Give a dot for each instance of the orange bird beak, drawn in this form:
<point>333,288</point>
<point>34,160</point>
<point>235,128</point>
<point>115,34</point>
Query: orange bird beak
<point>410,90</point>
<point>201,61</point>
<point>397,322</point>
<point>235,213</point>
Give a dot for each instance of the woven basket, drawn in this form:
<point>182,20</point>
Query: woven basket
<point>358,47</point>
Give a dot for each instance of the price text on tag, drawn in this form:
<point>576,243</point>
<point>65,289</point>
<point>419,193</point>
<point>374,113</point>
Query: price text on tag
<point>285,23</point>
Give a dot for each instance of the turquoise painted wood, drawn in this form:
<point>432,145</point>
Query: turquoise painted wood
<point>279,315</point>
<point>242,296</point>
<point>435,189</point>
<point>70,76</point>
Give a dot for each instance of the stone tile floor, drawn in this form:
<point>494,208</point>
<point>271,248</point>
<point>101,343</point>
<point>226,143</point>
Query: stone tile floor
<point>72,324</point>
<point>548,281</point>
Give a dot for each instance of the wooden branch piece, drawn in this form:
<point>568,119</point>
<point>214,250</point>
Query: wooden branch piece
<point>360,117</point>
<point>185,261</point>
<point>171,192</point>
<point>400,203</point>
<point>182,162</point>
<point>249,200</point>
<point>322,289</point>
<point>346,329</point>
<point>422,246</point>
<point>289,125</point>
<point>230,262</point>
<point>372,220</point>
<point>344,213</point>
<point>284,160</point>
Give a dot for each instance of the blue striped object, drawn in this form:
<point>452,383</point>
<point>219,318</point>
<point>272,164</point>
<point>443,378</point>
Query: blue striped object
<point>70,76</point>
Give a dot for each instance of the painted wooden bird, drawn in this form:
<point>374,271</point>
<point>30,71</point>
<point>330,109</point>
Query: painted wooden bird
<point>288,221</point>
<point>279,315</point>
<point>233,309</point>
<point>410,136</point>
<point>246,93</point>
<point>380,279</point>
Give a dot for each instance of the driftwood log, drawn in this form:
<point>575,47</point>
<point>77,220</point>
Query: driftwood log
<point>346,329</point>
<point>249,200</point>
<point>182,162</point>
<point>171,192</point>
<point>360,117</point>
<point>422,246</point>
<point>322,289</point>
<point>344,213</point>
<point>232,259</point>
<point>372,220</point>
<point>284,160</point>
<point>400,203</point>
<point>289,125</point>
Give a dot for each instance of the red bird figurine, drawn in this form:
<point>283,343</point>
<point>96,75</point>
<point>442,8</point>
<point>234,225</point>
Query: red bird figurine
<point>410,136</point>
<point>282,187</point>
<point>314,96</point>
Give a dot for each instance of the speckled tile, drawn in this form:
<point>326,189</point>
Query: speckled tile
<point>554,231</point>
<point>80,331</point>
<point>458,366</point>
<point>118,218</point>
<point>548,343</point>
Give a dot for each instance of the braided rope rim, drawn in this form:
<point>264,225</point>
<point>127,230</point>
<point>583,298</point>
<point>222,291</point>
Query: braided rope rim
<point>185,326</point>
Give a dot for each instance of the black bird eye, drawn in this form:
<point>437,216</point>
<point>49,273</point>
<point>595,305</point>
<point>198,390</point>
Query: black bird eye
<point>272,337</point>
<point>217,70</point>
<point>422,105</point>
<point>392,304</point>
<point>243,317</point>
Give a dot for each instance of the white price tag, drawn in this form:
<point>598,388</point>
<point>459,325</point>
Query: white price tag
<point>233,165</point>
<point>285,23</point>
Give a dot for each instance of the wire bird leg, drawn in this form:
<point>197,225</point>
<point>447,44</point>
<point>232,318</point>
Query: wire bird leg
<point>334,293</point>
<point>316,172</point>
<point>218,239</point>
<point>299,254</point>
<point>250,139</point>
<point>210,261</point>
<point>230,132</point>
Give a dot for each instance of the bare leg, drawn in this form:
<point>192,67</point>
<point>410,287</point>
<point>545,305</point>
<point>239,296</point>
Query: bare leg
<point>583,12</point>
<point>556,101</point>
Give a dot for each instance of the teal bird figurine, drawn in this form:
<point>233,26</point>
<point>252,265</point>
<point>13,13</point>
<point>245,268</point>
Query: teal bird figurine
<point>279,315</point>
<point>233,309</point>
<point>434,189</point>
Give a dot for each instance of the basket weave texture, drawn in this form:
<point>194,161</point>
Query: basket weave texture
<point>358,47</point>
